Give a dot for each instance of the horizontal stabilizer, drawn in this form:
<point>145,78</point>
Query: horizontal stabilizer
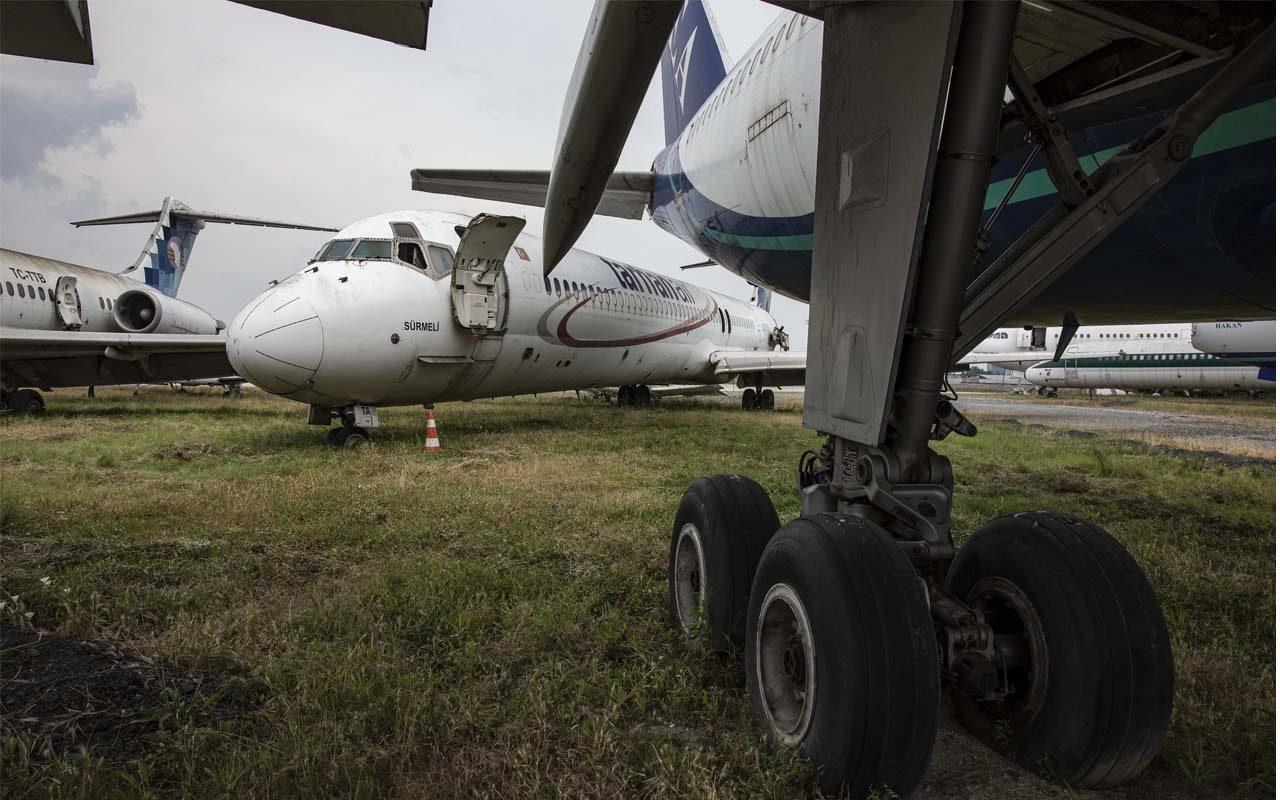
<point>626,194</point>
<point>178,209</point>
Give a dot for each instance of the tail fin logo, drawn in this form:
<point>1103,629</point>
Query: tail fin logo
<point>174,249</point>
<point>680,71</point>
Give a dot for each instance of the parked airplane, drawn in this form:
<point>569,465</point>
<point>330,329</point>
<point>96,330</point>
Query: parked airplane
<point>1018,349</point>
<point>736,181</point>
<point>66,325</point>
<point>416,307</point>
<point>1214,356</point>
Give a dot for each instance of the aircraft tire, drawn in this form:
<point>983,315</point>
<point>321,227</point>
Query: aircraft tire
<point>766,399</point>
<point>841,657</point>
<point>27,402</point>
<point>643,396</point>
<point>351,437</point>
<point>748,399</point>
<point>1099,688</point>
<point>721,527</point>
<point>626,396</point>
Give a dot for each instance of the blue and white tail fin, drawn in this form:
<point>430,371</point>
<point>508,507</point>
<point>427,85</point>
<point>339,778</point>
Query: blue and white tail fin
<point>693,65</point>
<point>763,297</point>
<point>164,260</point>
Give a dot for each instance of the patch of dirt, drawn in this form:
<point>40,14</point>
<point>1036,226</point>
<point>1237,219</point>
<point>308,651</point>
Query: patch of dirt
<point>78,692</point>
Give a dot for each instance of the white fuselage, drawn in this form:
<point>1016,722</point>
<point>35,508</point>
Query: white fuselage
<point>382,332</point>
<point>27,285</point>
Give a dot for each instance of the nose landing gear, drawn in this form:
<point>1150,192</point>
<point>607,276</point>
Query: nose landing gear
<point>356,420</point>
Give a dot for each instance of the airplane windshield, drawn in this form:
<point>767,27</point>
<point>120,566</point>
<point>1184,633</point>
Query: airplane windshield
<point>372,248</point>
<point>335,250</point>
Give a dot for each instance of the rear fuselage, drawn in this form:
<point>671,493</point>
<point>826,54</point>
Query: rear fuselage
<point>738,184</point>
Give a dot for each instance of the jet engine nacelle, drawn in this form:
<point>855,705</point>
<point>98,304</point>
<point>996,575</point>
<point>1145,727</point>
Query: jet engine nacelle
<point>145,311</point>
<point>1223,338</point>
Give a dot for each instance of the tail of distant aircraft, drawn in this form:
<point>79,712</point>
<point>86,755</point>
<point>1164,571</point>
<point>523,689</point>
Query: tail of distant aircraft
<point>164,261</point>
<point>693,65</point>
<point>763,298</point>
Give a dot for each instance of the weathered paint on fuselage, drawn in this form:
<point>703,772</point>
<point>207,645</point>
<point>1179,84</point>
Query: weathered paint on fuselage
<point>26,293</point>
<point>594,323</point>
<point>738,184</point>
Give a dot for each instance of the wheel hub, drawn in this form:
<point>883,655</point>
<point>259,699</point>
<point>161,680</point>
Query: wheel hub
<point>1016,625</point>
<point>689,568</point>
<point>785,668</point>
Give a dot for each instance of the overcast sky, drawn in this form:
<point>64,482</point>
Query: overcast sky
<point>241,111</point>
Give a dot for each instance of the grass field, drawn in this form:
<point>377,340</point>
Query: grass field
<point>249,612</point>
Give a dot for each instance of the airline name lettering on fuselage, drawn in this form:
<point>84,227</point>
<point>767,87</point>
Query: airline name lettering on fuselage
<point>1221,325</point>
<point>637,280</point>
<point>414,325</point>
<point>27,275</point>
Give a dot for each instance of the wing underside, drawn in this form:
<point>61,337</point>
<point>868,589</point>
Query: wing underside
<point>626,194</point>
<point>50,359</point>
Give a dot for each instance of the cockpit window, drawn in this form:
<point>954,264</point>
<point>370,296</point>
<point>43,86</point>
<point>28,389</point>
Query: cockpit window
<point>335,250</point>
<point>405,230</point>
<point>441,260</point>
<point>411,254</point>
<point>372,248</point>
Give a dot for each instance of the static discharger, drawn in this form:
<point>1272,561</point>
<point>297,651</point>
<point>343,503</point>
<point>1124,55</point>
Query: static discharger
<point>432,443</point>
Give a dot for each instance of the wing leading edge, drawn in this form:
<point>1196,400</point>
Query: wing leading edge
<point>626,194</point>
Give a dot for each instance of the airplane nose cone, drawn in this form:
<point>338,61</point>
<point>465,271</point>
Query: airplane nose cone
<point>277,343</point>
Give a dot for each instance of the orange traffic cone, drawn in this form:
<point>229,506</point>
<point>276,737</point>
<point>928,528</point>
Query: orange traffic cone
<point>432,443</point>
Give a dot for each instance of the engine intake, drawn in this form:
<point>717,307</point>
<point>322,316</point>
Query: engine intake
<point>144,311</point>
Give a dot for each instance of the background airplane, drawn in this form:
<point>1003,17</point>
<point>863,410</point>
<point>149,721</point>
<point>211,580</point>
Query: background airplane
<point>1019,348</point>
<point>416,307</point>
<point>66,325</point>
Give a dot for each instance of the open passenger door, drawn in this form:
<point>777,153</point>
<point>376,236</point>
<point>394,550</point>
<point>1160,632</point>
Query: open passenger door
<point>67,299</point>
<point>479,287</point>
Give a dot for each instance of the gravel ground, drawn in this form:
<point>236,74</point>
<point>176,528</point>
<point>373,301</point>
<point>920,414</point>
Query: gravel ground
<point>1191,431</point>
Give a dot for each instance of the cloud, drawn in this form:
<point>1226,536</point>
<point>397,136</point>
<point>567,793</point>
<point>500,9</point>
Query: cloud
<point>55,106</point>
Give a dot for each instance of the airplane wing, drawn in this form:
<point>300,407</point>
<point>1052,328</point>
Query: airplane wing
<point>777,369</point>
<point>61,30</point>
<point>402,22</point>
<point>626,194</point>
<point>48,359</point>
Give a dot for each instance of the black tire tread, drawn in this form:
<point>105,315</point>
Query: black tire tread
<point>748,520</point>
<point>873,592</point>
<point>1131,706</point>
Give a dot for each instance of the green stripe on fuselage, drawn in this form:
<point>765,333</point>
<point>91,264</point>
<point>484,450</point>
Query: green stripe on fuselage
<point>1233,129</point>
<point>1148,360</point>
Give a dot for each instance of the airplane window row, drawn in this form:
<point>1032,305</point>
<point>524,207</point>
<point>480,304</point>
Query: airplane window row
<point>1160,357</point>
<point>618,299</point>
<point>27,291</point>
<point>735,81</point>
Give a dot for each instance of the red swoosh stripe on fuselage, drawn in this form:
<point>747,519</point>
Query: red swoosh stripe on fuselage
<point>562,336</point>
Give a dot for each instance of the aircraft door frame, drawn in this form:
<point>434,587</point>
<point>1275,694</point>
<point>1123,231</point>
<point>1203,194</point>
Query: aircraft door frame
<point>479,288</point>
<point>67,301</point>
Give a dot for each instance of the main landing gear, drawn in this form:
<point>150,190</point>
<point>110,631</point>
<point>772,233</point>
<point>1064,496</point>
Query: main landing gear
<point>635,395</point>
<point>757,399</point>
<point>854,618</point>
<point>24,401</point>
